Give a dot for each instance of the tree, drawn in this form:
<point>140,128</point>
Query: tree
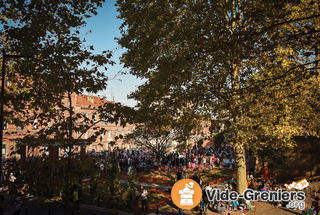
<point>146,138</point>
<point>41,89</point>
<point>49,31</point>
<point>215,55</point>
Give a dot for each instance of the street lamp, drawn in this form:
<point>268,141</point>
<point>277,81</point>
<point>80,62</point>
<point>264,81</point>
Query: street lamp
<point>4,57</point>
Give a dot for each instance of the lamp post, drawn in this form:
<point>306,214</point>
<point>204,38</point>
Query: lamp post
<point>4,57</point>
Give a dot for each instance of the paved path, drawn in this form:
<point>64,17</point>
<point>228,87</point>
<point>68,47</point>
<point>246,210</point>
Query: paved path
<point>163,187</point>
<point>262,208</point>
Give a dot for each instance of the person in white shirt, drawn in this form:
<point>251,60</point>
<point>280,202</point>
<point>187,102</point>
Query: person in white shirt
<point>12,177</point>
<point>226,161</point>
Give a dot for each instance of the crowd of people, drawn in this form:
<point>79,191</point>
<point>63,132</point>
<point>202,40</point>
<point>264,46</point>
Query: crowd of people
<point>189,159</point>
<point>183,163</point>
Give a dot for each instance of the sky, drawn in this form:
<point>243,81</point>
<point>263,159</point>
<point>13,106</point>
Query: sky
<point>104,28</point>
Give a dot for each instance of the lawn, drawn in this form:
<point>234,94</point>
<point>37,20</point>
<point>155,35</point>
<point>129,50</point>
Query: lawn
<point>168,178</point>
<point>154,197</point>
<point>214,175</point>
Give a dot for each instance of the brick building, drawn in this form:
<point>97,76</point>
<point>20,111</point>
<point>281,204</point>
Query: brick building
<point>85,104</point>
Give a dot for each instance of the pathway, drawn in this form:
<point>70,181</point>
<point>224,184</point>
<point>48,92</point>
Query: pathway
<point>163,187</point>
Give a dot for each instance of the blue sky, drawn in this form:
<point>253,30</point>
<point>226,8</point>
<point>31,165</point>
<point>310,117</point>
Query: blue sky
<point>105,27</point>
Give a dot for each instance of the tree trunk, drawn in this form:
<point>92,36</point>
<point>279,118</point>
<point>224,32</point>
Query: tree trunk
<point>239,146</point>
<point>241,167</point>
<point>70,128</point>
<point>67,197</point>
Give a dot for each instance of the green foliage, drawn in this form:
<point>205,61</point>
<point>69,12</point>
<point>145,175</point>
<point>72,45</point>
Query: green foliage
<point>130,190</point>
<point>182,146</point>
<point>273,156</point>
<point>48,31</point>
<point>156,141</point>
<point>218,139</point>
<point>247,64</point>
<point>43,88</point>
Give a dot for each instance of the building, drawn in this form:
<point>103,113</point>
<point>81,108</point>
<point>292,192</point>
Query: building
<point>303,161</point>
<point>84,104</point>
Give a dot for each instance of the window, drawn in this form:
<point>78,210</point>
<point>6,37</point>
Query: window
<point>109,133</point>
<point>86,135</point>
<point>4,148</point>
<point>59,126</point>
<point>94,117</point>
<point>86,119</point>
<point>34,126</point>
<point>116,133</point>
<point>122,132</point>
<point>46,150</point>
<point>94,131</point>
<point>5,126</point>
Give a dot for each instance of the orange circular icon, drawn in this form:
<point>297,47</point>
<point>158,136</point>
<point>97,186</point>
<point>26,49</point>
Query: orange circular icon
<point>186,194</point>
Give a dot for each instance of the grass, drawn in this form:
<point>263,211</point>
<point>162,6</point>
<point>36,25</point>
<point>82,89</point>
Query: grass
<point>158,178</point>
<point>168,177</point>
<point>217,174</point>
<point>155,197</point>
<point>208,174</point>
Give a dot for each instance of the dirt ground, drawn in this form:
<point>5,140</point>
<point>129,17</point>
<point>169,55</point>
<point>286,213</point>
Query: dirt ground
<point>263,208</point>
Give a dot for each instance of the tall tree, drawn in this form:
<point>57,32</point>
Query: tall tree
<point>206,54</point>
<point>41,88</point>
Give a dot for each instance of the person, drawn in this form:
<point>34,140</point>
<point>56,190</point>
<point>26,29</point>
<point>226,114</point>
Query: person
<point>179,175</point>
<point>255,184</point>
<point>230,187</point>
<point>315,202</point>
<point>76,199</point>
<point>144,203</point>
<point>226,161</point>
<point>18,204</point>
<point>312,210</point>
<point>136,201</point>
<point>184,175</point>
<point>226,186</point>
<point>221,207</point>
